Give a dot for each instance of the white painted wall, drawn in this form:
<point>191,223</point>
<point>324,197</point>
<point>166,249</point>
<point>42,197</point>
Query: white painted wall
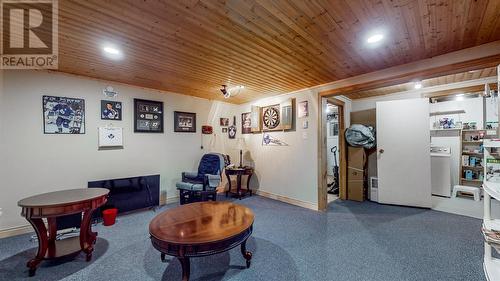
<point>32,162</point>
<point>289,171</point>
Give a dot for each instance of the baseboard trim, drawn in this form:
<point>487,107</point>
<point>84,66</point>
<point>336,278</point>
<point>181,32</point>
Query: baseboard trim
<point>172,200</point>
<point>288,200</point>
<point>14,231</point>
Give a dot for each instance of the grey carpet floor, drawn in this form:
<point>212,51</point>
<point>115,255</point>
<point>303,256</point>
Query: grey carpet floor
<point>351,241</point>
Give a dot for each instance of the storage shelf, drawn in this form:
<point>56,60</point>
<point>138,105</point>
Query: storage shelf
<point>493,189</point>
<point>491,143</point>
<point>470,130</point>
<point>449,112</point>
<point>472,153</point>
<point>491,268</point>
<point>492,224</point>
<point>472,142</point>
<point>450,129</point>
<point>473,167</point>
<point>472,180</point>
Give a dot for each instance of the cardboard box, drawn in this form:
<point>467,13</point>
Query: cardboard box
<point>356,157</point>
<point>356,190</point>
<point>354,174</point>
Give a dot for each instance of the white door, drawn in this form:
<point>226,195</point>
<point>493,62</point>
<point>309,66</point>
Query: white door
<point>403,152</point>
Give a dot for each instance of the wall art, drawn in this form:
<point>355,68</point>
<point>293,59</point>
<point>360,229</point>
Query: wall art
<point>148,116</point>
<point>246,123</point>
<point>111,110</point>
<point>110,137</point>
<point>62,115</point>
<point>303,109</point>
<point>184,122</point>
<point>231,131</point>
<point>268,140</point>
<point>224,122</point>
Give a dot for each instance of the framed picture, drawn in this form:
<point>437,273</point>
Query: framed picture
<point>303,109</point>
<point>111,110</point>
<point>246,123</point>
<point>110,137</point>
<point>184,122</point>
<point>224,130</point>
<point>148,116</point>
<point>62,115</point>
<point>224,122</point>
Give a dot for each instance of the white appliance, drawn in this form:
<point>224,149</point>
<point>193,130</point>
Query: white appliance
<point>374,189</point>
<point>440,171</point>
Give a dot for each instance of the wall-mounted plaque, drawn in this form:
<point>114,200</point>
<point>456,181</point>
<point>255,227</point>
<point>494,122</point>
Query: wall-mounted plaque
<point>148,116</point>
<point>184,122</point>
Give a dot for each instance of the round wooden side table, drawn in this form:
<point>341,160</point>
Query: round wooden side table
<point>61,203</point>
<point>201,229</point>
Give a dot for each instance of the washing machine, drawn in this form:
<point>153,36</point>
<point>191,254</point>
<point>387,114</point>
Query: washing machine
<point>441,171</point>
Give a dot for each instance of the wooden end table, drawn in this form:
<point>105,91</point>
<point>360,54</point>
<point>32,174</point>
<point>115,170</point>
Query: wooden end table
<point>201,229</point>
<point>61,203</point>
<point>239,172</point>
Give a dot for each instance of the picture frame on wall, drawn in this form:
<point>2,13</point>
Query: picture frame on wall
<point>184,122</point>
<point>303,109</point>
<point>246,123</point>
<point>224,122</point>
<point>111,110</point>
<point>63,115</point>
<point>148,116</point>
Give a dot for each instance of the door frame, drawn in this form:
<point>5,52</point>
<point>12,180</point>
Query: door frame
<point>322,151</point>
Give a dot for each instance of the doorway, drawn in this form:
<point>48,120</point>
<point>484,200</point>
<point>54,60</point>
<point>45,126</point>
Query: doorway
<point>331,151</point>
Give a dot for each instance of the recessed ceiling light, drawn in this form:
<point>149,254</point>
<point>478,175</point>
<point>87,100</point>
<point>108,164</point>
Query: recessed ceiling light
<point>418,85</point>
<point>112,52</point>
<point>375,38</point>
<point>459,95</point>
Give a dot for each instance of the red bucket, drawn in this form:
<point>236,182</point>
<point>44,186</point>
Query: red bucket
<point>109,216</point>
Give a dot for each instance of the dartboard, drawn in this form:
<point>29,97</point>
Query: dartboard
<point>271,118</point>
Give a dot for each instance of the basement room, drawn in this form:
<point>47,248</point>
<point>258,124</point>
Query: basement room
<point>249,140</point>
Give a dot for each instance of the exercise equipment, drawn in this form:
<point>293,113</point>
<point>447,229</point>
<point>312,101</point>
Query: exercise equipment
<point>333,187</point>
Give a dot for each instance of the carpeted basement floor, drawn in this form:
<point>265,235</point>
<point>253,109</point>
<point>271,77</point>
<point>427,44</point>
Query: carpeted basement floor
<point>352,241</point>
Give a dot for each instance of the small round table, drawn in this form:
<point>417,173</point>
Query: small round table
<point>56,204</point>
<point>201,229</point>
<point>239,172</point>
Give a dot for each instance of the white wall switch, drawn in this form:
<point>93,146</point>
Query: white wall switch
<point>304,135</point>
<point>305,124</point>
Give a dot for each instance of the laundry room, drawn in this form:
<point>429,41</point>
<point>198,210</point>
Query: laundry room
<point>455,114</point>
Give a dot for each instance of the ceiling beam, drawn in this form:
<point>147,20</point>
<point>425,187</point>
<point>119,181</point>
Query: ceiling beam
<point>483,56</point>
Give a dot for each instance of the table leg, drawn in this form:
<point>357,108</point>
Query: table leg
<point>248,184</point>
<point>41,233</point>
<point>246,254</point>
<point>238,186</point>
<point>51,245</point>
<point>185,268</point>
<point>229,184</point>
<point>87,237</point>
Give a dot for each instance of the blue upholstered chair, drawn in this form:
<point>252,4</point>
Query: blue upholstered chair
<point>202,185</point>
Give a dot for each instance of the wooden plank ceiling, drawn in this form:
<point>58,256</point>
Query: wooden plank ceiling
<point>442,80</point>
<point>269,46</point>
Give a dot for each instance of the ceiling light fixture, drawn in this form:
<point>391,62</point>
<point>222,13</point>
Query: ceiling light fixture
<point>233,91</point>
<point>112,52</point>
<point>375,38</point>
<point>418,85</point>
<point>459,95</point>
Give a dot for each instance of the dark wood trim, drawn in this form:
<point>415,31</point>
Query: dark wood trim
<point>322,160</point>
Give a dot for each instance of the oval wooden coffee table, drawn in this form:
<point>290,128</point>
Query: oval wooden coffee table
<point>201,229</point>
<point>60,203</point>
